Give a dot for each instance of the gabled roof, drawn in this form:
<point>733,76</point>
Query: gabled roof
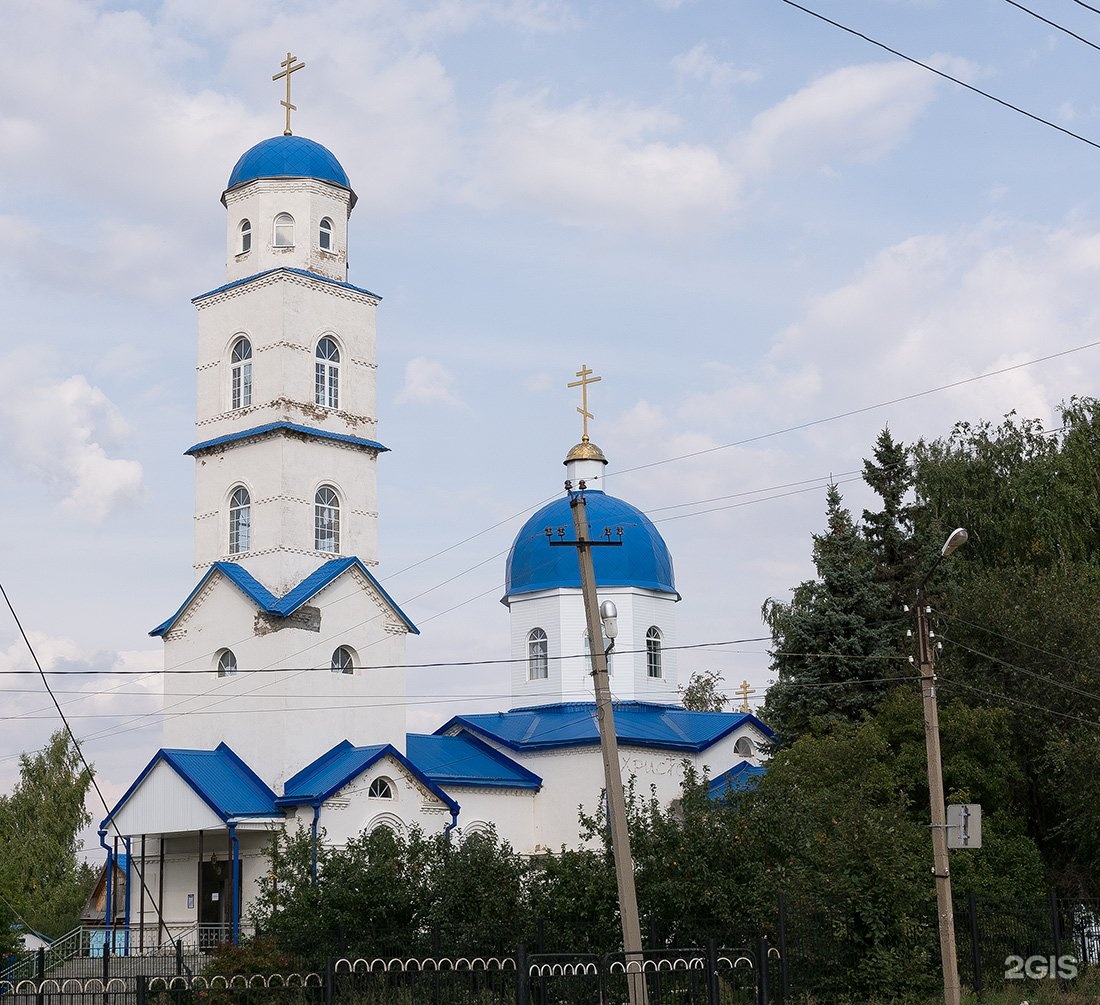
<point>740,777</point>
<point>573,724</point>
<point>272,428</point>
<point>334,769</point>
<point>466,760</point>
<point>284,606</point>
<point>294,272</point>
<point>218,777</point>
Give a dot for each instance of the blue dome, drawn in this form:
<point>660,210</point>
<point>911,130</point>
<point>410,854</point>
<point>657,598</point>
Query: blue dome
<point>642,561</point>
<point>288,157</point>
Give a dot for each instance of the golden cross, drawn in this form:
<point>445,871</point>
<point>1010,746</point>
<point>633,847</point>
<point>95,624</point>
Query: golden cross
<point>584,373</point>
<point>289,67</point>
<point>745,692</point>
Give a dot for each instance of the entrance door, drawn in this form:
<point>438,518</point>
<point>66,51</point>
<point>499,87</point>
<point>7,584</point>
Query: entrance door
<point>214,906</point>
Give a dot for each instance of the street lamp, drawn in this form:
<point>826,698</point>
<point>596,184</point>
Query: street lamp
<point>926,654</point>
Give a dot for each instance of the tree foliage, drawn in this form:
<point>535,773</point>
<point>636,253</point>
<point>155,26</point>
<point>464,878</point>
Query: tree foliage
<point>701,693</point>
<point>41,874</point>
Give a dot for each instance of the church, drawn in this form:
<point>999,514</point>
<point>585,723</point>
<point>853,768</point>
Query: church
<point>284,666</point>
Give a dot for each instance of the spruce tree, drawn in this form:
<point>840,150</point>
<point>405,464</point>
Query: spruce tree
<point>833,642</point>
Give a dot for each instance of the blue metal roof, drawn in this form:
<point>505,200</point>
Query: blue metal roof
<point>218,777</point>
<point>283,268</point>
<point>285,427</point>
<point>740,777</point>
<point>334,769</point>
<point>466,760</point>
<point>573,724</point>
<point>288,157</point>
<point>301,594</point>
<point>643,560</point>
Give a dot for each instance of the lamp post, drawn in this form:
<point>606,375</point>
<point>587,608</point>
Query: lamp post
<point>940,870</point>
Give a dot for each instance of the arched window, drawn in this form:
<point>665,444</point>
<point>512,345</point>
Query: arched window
<point>240,521</point>
<point>284,231</point>
<point>324,235</point>
<point>342,661</point>
<point>743,747</point>
<point>653,651</point>
<point>538,665</point>
<point>227,663</point>
<point>327,384</point>
<point>380,788</point>
<point>246,238</point>
<point>240,374</point>
<point>326,520</point>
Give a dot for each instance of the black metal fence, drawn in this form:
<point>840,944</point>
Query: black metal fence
<point>803,947</point>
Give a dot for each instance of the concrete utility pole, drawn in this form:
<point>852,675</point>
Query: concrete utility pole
<point>613,779</point>
<point>945,908</point>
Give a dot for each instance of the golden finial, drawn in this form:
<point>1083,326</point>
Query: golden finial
<point>745,693</point>
<point>586,378</point>
<point>289,66</point>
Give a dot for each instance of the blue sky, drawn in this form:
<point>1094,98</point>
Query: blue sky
<point>743,218</point>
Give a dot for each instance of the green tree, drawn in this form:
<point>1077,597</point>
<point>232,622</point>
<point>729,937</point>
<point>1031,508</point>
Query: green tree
<point>889,529</point>
<point>41,874</point>
<point>835,645</point>
<point>701,693</point>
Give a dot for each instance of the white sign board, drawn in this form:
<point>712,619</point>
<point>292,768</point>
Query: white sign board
<point>964,825</point>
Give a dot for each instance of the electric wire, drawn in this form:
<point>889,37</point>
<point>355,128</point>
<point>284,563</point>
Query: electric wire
<point>1020,642</point>
<point>1053,24</point>
<point>951,682</point>
<point>77,747</point>
<point>943,73</point>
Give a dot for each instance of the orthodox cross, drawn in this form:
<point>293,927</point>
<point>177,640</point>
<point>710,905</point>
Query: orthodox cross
<point>586,378</point>
<point>289,66</point>
<point>744,691</point>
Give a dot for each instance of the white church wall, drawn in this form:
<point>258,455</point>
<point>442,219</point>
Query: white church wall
<point>307,201</point>
<point>282,474</point>
<point>511,812</point>
<point>279,720</point>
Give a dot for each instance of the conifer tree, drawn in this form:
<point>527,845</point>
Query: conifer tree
<point>833,644</point>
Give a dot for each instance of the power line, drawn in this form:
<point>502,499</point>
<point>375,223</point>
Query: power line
<point>1053,24</point>
<point>944,74</point>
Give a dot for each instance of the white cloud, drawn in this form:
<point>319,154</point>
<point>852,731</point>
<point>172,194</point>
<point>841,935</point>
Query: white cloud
<point>699,63</point>
<point>427,381</point>
<point>857,113</point>
<point>599,164</point>
<point>54,433</point>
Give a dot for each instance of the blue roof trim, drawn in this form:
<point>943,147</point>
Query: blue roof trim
<point>573,724</point>
<point>301,594</point>
<point>285,427</point>
<point>284,268</point>
<point>467,760</point>
<point>228,786</point>
<point>327,775</point>
<point>642,560</point>
<point>739,778</point>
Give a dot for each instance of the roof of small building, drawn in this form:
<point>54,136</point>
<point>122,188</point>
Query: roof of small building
<point>284,606</point>
<point>303,273</point>
<point>740,777</point>
<point>643,559</point>
<point>464,759</point>
<point>288,157</point>
<point>573,724</point>
<point>335,768</point>
<point>218,777</point>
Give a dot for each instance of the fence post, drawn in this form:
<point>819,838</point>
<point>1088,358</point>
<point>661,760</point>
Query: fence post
<point>523,976</point>
<point>784,969</point>
<point>437,951</point>
<point>762,963</point>
<point>330,981</point>
<point>1056,926</point>
<point>108,948</point>
<point>712,972</point>
<point>142,990</point>
<point>975,944</point>
<point>39,973</point>
<point>179,957</point>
